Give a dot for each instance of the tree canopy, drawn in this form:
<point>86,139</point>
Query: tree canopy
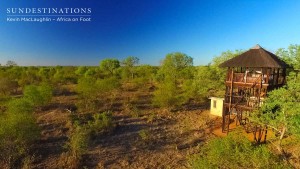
<point>291,55</point>
<point>11,63</point>
<point>110,65</point>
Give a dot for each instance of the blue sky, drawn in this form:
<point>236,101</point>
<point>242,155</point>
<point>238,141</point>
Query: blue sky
<point>148,29</point>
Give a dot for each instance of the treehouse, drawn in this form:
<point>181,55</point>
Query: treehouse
<point>250,76</point>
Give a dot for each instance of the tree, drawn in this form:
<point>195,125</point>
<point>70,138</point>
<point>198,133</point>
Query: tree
<point>81,70</point>
<point>110,65</point>
<point>90,72</point>
<point>221,72</point>
<point>175,69</point>
<point>207,83</point>
<point>281,110</point>
<point>131,61</point>
<point>11,63</point>
<point>176,66</point>
<point>209,80</point>
<point>291,56</point>
<point>129,64</point>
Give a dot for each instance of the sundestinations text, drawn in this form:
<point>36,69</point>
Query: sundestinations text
<point>48,11</point>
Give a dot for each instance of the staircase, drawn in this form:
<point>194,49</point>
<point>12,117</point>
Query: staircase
<point>227,114</point>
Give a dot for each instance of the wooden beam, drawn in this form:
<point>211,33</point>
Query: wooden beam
<point>268,75</point>
<point>277,76</point>
<point>230,99</point>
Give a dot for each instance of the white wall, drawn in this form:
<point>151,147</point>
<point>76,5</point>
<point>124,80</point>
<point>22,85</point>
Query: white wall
<point>219,106</point>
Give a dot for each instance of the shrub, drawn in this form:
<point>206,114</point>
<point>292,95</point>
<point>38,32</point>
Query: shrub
<point>80,137</point>
<point>87,92</point>
<point>19,106</point>
<point>131,109</point>
<point>93,93</point>
<point>101,122</point>
<point>18,130</point>
<point>107,85</point>
<point>77,146</point>
<point>28,162</point>
<point>234,151</point>
<point>7,86</point>
<point>38,95</point>
<point>144,134</point>
<point>135,112</point>
<point>167,95</point>
<point>78,141</point>
<point>151,117</point>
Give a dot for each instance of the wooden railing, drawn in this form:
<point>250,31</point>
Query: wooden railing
<point>240,77</point>
<point>250,78</point>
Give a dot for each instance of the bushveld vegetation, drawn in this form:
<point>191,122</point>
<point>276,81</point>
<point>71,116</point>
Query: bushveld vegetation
<point>18,128</point>
<point>235,151</point>
<point>174,86</point>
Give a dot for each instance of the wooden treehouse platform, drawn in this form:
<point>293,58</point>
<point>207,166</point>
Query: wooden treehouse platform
<point>250,76</point>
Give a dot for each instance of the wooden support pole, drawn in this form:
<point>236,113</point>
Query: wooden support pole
<point>230,100</point>
<point>223,117</point>
<point>254,133</point>
<point>260,86</point>
<point>274,77</point>
<point>266,133</point>
<point>277,76</point>
<point>268,75</point>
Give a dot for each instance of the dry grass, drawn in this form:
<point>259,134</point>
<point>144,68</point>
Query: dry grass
<point>144,136</point>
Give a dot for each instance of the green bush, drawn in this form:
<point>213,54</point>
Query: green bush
<point>38,95</point>
<point>78,141</point>
<point>77,145</point>
<point>234,151</point>
<point>7,86</point>
<point>101,122</point>
<point>176,68</point>
<point>19,106</point>
<point>87,93</point>
<point>107,85</point>
<point>18,130</point>
<point>167,95</point>
<point>93,93</point>
<point>145,74</point>
<point>109,65</point>
<point>144,134</point>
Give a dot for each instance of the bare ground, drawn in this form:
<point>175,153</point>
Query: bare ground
<point>171,136</point>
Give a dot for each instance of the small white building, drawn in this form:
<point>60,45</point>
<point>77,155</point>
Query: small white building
<point>216,106</point>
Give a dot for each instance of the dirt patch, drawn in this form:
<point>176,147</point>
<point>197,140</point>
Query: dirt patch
<point>169,142</point>
<point>155,138</point>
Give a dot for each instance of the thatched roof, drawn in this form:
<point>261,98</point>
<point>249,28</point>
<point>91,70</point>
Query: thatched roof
<point>255,57</point>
